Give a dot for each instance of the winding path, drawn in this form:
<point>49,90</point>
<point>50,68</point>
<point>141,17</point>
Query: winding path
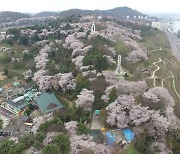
<point>170,62</point>
<point>160,49</point>
<point>162,82</point>
<point>154,72</point>
<point>174,85</point>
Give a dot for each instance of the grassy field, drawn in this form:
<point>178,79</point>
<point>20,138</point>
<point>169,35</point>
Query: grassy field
<point>130,150</point>
<point>168,65</point>
<point>16,69</point>
<point>158,47</point>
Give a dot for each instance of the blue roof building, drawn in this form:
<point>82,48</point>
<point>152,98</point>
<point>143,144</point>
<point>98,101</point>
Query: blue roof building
<point>129,134</point>
<point>15,104</point>
<point>110,138</point>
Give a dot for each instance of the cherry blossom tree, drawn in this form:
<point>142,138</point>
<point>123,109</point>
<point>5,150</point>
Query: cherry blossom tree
<point>156,94</point>
<point>49,137</point>
<point>27,75</point>
<point>162,147</point>
<point>85,99</point>
<point>67,81</point>
<point>78,61</point>
<point>33,150</point>
<point>42,58</point>
<point>158,125</point>
<point>110,60</point>
<point>118,111</point>
<point>137,55</point>
<point>131,88</point>
<point>64,81</point>
<point>83,51</point>
<point>107,91</point>
<point>110,77</point>
<point>125,87</point>
<point>124,112</point>
<point>139,114</point>
<point>71,127</point>
<point>38,75</point>
<point>161,95</point>
<point>84,143</point>
<point>72,43</point>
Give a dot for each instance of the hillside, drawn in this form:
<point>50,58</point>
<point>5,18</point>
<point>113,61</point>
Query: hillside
<point>124,12</point>
<point>8,16</point>
<point>119,12</point>
<point>46,14</point>
<point>72,63</point>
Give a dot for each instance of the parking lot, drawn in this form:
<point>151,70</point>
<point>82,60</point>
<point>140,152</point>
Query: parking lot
<point>5,119</point>
<point>5,116</point>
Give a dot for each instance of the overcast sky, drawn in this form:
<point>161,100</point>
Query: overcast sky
<point>145,6</point>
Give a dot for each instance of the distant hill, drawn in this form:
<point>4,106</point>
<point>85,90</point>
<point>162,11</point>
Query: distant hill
<point>46,14</point>
<point>120,12</point>
<point>8,16</point>
<point>124,12</point>
<point>81,12</point>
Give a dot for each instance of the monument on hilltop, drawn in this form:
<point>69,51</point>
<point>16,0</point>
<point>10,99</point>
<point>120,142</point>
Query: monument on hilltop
<point>93,27</point>
<point>119,71</point>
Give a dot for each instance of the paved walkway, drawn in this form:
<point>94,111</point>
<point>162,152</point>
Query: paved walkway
<point>96,124</point>
<point>174,85</point>
<point>154,72</point>
<point>162,82</point>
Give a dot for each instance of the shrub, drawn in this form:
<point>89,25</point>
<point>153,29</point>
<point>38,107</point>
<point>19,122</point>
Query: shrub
<point>100,104</point>
<point>51,149</point>
<point>112,95</point>
<point>63,142</point>
<point>142,144</point>
<point>5,146</point>
<point>100,63</point>
<point>177,109</point>
<point>27,140</point>
<point>1,123</point>
<point>98,86</point>
<point>123,49</point>
<point>55,123</point>
<point>82,129</point>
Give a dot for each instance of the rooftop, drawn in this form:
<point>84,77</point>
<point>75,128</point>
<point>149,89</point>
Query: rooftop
<point>110,138</point>
<point>16,84</point>
<point>48,102</point>
<point>19,102</point>
<point>129,134</point>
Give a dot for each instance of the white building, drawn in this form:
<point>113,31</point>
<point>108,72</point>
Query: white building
<point>159,25</point>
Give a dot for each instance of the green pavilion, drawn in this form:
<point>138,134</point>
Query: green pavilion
<point>48,102</point>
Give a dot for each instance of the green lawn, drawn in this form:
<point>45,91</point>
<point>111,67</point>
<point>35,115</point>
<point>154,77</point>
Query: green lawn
<point>131,150</point>
<point>155,41</point>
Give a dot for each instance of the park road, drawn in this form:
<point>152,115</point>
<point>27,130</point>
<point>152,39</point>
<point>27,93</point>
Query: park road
<point>175,44</point>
